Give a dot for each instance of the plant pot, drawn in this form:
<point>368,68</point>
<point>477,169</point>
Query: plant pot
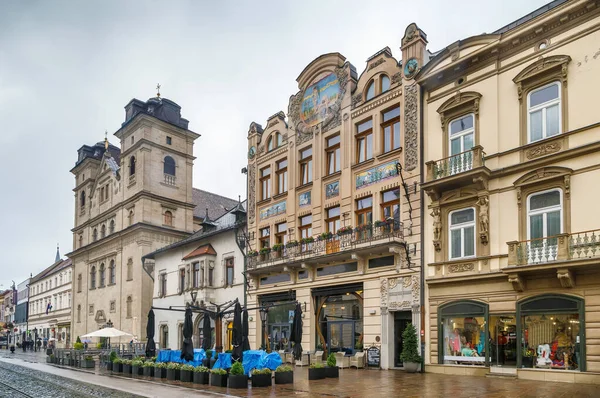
<point>136,370</point>
<point>172,374</point>
<point>316,373</point>
<point>276,254</point>
<point>88,364</point>
<point>48,351</point>
<point>201,377</point>
<point>160,373</point>
<point>238,381</point>
<point>218,380</point>
<point>126,370</point>
<point>48,360</point>
<point>411,367</point>
<point>186,376</point>
<point>284,377</point>
<point>117,368</point>
<point>261,380</point>
<point>527,362</point>
<point>332,372</point>
<point>149,371</point>
<point>109,365</point>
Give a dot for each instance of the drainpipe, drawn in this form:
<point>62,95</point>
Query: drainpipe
<point>422,210</point>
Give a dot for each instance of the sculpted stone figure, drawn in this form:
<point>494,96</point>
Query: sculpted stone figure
<point>484,217</point>
<point>437,224</point>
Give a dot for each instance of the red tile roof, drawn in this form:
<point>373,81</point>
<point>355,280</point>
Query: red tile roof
<point>202,250</point>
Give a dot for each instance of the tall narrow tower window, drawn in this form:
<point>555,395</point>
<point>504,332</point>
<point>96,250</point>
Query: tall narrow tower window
<point>132,165</point>
<point>82,199</point>
<point>169,167</point>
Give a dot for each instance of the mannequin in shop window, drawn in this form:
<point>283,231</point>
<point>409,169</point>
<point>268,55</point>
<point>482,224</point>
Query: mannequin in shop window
<point>454,342</point>
<point>543,353</point>
<point>561,349</point>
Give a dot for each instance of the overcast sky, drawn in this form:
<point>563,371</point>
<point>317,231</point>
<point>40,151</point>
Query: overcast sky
<point>67,69</point>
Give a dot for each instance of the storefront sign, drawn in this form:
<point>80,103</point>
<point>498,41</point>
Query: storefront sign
<point>376,174</point>
<point>273,210</point>
<point>304,199</point>
<point>373,356</point>
<point>332,190</point>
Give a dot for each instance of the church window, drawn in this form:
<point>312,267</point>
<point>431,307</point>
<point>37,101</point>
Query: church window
<point>129,305</point>
<point>111,272</point>
<point>102,275</point>
<point>95,235</point>
<point>82,199</point>
<point>168,218</point>
<point>169,140</point>
<point>129,269</point>
<point>111,229</point>
<point>93,278</point>
<point>102,231</point>
<point>132,165</point>
<point>169,166</point>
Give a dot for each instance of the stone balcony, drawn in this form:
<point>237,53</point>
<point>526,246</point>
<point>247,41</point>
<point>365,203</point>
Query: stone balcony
<point>363,241</point>
<point>563,252</point>
<point>456,171</point>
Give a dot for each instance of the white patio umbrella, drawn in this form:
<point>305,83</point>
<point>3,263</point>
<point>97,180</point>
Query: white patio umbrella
<point>108,332</point>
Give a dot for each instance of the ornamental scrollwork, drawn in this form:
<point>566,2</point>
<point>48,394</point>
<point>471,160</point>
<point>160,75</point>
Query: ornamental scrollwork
<point>454,268</point>
<point>542,150</point>
<point>411,146</point>
<point>251,193</point>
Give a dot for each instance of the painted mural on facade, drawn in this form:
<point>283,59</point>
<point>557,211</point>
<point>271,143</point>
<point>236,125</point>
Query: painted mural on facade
<point>318,99</point>
<point>273,210</point>
<point>304,199</point>
<point>332,190</point>
<point>376,174</point>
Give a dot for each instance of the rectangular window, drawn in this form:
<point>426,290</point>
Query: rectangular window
<point>544,222</point>
<point>391,129</point>
<point>306,166</point>
<point>265,237</point>
<point>265,183</point>
<point>333,153</point>
<point>281,233</point>
<point>305,226</point>
<point>282,176</point>
<point>196,275</point>
<point>279,278</point>
<point>168,140</point>
<point>229,271</point>
<point>390,205</point>
<point>364,141</point>
<point>543,107</point>
<point>181,280</point>
<point>163,285</point>
<point>462,133</point>
<point>381,262</point>
<point>211,274</point>
<point>333,219</point>
<point>462,233</point>
<point>364,211</point>
<point>337,269</point>
<point>91,310</point>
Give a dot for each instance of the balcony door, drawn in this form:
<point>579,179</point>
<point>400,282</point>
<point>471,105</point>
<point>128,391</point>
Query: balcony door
<point>462,133</point>
<point>544,223</point>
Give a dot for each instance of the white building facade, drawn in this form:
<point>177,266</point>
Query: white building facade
<point>210,263</point>
<point>50,298</point>
<point>20,318</point>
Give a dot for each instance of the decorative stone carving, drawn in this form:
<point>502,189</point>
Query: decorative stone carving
<point>411,134</point>
<point>544,149</point>
<point>357,99</point>
<point>567,186</point>
<point>437,229</point>
<point>519,197</point>
<point>454,268</point>
<point>384,292</point>
<point>416,289</point>
<point>517,282</point>
<point>484,219</point>
<point>396,77</point>
<point>566,278</point>
<point>376,63</point>
<point>251,193</point>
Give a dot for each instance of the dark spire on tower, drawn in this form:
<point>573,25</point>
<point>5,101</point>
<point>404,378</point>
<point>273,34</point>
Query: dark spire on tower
<point>57,259</point>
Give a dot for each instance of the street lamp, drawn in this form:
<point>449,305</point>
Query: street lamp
<point>34,339</point>
<point>263,318</point>
<point>194,294</point>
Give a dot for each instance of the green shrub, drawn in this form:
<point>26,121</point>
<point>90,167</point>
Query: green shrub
<point>410,349</point>
<point>331,362</point>
<point>187,367</point>
<point>153,359</point>
<point>316,365</point>
<point>160,365</point>
<point>218,371</point>
<point>284,368</point>
<point>201,369</point>
<point>173,365</point>
<point>78,340</point>
<point>137,362</point>
<point>117,361</point>
<point>99,346</point>
<point>148,364</point>
<point>78,346</point>
<point>112,356</point>
<point>265,371</point>
<point>237,368</point>
<point>127,362</point>
<point>89,358</point>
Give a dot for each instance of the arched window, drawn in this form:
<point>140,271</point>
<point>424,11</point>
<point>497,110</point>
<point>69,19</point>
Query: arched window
<point>82,199</point>
<point>275,141</point>
<point>168,218</point>
<point>164,337</point>
<point>130,217</point>
<point>79,278</point>
<point>462,323</point>
<point>112,277</point>
<point>93,278</point>
<point>102,275</point>
<point>370,91</point>
<point>102,231</point>
<point>132,165</point>
<point>129,305</point>
<point>111,229</point>
<point>95,235</point>
<point>80,240</point>
<point>270,144</point>
<point>169,167</point>
<point>385,83</point>
<point>129,269</point>
<point>79,313</point>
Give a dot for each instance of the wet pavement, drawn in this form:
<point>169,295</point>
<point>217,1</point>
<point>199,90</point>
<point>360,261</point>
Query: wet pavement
<point>351,383</point>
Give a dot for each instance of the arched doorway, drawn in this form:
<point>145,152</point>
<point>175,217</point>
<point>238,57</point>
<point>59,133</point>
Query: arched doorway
<point>198,336</point>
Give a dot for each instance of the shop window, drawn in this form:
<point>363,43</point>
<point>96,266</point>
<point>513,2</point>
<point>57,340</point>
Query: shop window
<point>463,334</point>
<point>306,174</point>
<point>462,233</point>
<point>333,153</point>
<point>340,319</point>
<point>390,129</point>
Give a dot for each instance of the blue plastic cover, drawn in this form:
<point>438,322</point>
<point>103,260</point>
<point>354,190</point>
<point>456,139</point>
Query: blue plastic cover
<point>271,361</point>
<point>223,361</point>
<point>163,356</point>
<point>252,359</point>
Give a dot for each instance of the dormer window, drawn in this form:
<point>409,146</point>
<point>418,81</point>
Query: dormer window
<point>275,141</point>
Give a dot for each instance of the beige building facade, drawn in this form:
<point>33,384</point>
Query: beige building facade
<point>511,138</point>
<point>333,207</point>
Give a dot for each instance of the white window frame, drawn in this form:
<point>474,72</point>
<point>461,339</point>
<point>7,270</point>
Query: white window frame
<point>462,227</point>
<point>461,134</point>
<point>544,211</point>
<point>544,106</point>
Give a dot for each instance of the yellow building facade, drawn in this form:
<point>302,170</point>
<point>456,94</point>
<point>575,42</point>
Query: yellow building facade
<point>512,241</point>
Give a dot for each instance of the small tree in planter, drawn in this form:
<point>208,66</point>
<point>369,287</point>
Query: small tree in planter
<point>173,371</point>
<point>237,378</point>
<point>50,358</point>
<point>284,374</point>
<point>137,367</point>
<point>88,362</point>
<point>117,366</point>
<point>218,377</point>
<point>316,371</point>
<point>160,370</point>
<point>111,360</point>
<point>78,345</point>
<point>127,367</point>
<point>201,374</point>
<point>148,367</point>
<point>410,352</point>
<point>332,370</point>
<point>208,361</point>
<point>261,377</point>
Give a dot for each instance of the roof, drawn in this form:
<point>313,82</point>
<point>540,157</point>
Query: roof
<point>57,266</point>
<point>202,250</point>
<point>217,205</point>
<point>543,9</point>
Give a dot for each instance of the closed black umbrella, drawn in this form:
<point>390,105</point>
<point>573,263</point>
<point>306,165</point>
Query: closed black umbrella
<point>206,332</point>
<point>296,335</point>
<point>187,352</point>
<point>245,331</point>
<point>236,355</point>
<point>150,345</point>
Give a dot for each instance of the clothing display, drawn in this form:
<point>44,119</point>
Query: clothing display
<point>543,353</point>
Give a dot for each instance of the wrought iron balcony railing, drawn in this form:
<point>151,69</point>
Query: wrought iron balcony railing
<point>456,164</point>
<point>574,246</point>
<point>348,241</point>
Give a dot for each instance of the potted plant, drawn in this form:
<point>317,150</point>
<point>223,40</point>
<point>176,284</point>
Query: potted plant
<point>528,358</point>
<point>237,378</point>
<point>88,362</point>
<point>358,347</point>
<point>50,358</point>
<point>173,371</point>
<point>201,374</point>
<point>284,374</point>
<point>292,243</point>
<point>148,369</point>
<point>160,370</point>
<point>264,252</point>
<point>277,248</point>
<point>325,236</point>
<point>208,361</point>
<point>410,352</point>
<point>127,367</point>
<point>316,371</point>
<point>261,377</point>
<point>218,377</point>
<point>186,373</point>
<point>137,367</point>
<point>344,231</point>
<point>252,253</point>
<point>308,240</point>
<point>117,366</point>
<point>111,359</point>
<point>331,370</point>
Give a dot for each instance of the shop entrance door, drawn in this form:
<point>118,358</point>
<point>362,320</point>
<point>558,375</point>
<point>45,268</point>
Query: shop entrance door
<point>340,336</point>
<point>503,342</point>
<point>280,336</point>
<point>401,320</point>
